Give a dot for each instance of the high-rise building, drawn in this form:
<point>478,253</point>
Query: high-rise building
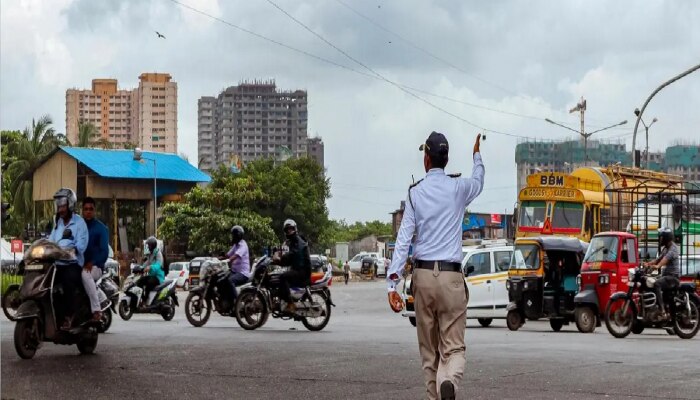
<point>684,160</point>
<point>315,149</point>
<point>145,116</point>
<point>250,121</point>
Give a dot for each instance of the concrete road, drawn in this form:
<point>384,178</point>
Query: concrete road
<point>366,352</point>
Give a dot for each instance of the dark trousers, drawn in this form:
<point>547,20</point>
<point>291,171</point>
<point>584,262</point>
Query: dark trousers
<point>147,283</point>
<point>664,283</point>
<point>69,278</point>
<point>347,276</point>
<point>237,279</point>
<point>293,278</point>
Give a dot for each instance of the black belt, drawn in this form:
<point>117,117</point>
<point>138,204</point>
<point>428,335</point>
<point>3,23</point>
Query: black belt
<point>442,265</point>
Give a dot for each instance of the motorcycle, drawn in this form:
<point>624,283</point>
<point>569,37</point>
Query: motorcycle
<point>261,298</point>
<point>638,308</point>
<point>109,288</point>
<point>214,291</point>
<point>161,300</point>
<point>36,315</point>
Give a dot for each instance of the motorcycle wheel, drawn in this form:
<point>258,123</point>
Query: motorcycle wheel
<point>251,310</point>
<point>514,320</point>
<point>105,322</point>
<point>11,302</point>
<point>586,320</point>
<point>638,327</point>
<point>87,344</point>
<point>685,324</point>
<point>318,323</point>
<point>556,324</point>
<point>168,312</point>
<point>619,320</point>
<point>197,309</point>
<point>26,338</point>
<point>125,310</point>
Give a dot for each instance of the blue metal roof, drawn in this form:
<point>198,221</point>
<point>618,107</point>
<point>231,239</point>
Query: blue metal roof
<point>121,164</point>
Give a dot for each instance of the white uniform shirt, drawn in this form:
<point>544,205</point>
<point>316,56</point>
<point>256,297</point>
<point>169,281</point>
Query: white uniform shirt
<point>435,211</point>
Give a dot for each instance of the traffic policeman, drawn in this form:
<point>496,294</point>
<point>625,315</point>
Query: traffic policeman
<point>434,213</point>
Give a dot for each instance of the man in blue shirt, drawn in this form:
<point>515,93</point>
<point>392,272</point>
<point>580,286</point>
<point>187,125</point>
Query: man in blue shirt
<point>71,233</point>
<point>95,255</point>
<point>239,259</point>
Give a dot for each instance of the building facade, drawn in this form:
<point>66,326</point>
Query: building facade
<point>250,121</point>
<point>145,116</point>
<point>315,149</point>
<point>684,160</point>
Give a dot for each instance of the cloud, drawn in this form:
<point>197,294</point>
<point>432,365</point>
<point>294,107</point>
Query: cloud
<point>530,58</point>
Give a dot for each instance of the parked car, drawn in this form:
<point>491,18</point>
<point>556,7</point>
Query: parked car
<point>181,272</point>
<point>356,262</point>
<point>488,296</point>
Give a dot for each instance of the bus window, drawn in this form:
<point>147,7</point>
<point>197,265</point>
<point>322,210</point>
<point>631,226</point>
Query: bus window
<point>567,215</point>
<point>532,214</point>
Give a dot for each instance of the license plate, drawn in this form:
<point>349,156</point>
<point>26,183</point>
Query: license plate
<point>34,267</point>
<point>195,282</point>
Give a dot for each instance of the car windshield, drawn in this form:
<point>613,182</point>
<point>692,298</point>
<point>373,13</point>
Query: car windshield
<point>602,248</point>
<point>525,256</point>
<point>357,257</point>
<point>176,267</point>
<point>567,215</point>
<point>532,214</point>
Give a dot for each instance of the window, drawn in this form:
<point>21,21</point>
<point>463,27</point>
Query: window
<point>628,254</point>
<point>532,214</point>
<point>602,248</point>
<point>567,215</point>
<point>502,259</point>
<point>525,256</point>
<point>481,263</point>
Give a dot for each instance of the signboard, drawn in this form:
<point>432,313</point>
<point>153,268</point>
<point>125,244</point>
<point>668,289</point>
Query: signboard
<point>496,219</point>
<point>547,194</point>
<point>552,180</point>
<point>17,246</point>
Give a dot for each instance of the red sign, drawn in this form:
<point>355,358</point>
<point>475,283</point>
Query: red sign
<point>16,246</point>
<point>496,219</point>
<point>547,228</point>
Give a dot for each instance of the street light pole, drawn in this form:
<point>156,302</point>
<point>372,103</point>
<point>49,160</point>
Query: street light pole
<point>646,128</point>
<point>657,90</point>
<point>138,156</point>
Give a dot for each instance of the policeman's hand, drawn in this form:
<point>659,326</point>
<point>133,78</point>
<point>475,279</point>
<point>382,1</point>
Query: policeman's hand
<point>395,301</point>
<point>478,142</point>
<point>67,234</point>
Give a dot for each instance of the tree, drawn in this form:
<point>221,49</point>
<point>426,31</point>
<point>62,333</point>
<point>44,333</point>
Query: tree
<point>89,136</point>
<point>34,144</point>
<point>13,226</point>
<point>205,218</point>
<point>297,189</point>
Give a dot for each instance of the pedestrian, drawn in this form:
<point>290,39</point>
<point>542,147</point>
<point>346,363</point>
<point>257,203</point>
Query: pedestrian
<point>434,213</point>
<point>346,271</point>
<point>95,255</point>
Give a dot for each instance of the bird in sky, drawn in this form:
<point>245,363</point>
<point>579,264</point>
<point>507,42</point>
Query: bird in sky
<point>159,35</point>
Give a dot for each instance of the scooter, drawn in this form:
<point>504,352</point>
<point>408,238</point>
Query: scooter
<point>110,290</point>
<point>162,300</point>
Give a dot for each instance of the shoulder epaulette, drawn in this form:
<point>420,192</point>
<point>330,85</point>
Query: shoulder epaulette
<point>414,184</point>
<point>454,175</point>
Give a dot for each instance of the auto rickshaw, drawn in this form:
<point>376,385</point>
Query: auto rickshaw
<point>603,273</point>
<point>542,280</point>
<point>368,268</point>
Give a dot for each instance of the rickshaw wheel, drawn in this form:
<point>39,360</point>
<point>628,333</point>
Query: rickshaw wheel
<point>514,320</point>
<point>556,324</point>
<point>586,320</point>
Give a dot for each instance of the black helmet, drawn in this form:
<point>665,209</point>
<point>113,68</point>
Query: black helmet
<point>65,197</point>
<point>152,242</point>
<point>237,233</point>
<point>665,236</point>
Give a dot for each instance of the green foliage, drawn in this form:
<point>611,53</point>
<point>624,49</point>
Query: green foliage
<point>340,231</point>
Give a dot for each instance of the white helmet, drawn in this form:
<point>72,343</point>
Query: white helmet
<point>65,197</point>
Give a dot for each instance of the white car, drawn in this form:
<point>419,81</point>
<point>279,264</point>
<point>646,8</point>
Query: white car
<point>180,271</point>
<point>488,296</point>
<point>356,262</point>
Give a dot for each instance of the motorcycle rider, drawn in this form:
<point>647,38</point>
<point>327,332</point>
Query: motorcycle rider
<point>239,259</point>
<point>299,261</point>
<point>668,258</point>
<point>153,268</point>
<point>71,233</point>
<point>96,255</point>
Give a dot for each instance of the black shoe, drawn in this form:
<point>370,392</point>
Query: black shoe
<point>447,391</point>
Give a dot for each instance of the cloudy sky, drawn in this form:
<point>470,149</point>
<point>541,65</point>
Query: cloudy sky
<point>500,65</point>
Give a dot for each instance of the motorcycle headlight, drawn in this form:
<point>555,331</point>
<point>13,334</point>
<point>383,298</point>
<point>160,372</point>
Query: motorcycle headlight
<point>650,282</point>
<point>38,252</point>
